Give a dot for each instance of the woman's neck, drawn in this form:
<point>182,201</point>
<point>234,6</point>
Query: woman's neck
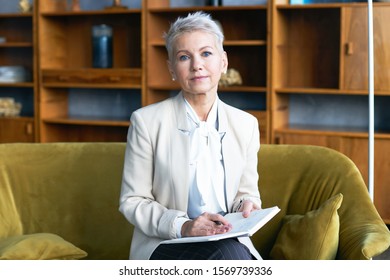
<point>201,104</point>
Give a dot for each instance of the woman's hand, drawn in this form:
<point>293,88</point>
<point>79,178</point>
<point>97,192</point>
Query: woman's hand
<point>247,207</point>
<point>206,224</point>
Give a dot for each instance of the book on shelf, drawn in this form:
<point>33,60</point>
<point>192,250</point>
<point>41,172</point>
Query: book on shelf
<point>241,226</point>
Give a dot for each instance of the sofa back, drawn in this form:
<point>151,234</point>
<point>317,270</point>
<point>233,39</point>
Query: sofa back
<point>70,189</point>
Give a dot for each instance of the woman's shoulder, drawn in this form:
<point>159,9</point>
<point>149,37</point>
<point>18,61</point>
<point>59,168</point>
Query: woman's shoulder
<point>156,110</point>
<point>236,114</point>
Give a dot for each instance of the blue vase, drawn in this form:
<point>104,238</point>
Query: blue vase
<point>102,46</point>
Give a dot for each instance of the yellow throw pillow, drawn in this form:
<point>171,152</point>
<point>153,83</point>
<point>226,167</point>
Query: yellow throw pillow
<point>39,246</point>
<point>313,236</point>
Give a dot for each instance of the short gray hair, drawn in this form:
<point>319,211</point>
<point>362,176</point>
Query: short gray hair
<point>198,21</point>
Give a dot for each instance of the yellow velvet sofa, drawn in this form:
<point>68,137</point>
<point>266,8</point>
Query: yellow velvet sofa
<point>60,201</point>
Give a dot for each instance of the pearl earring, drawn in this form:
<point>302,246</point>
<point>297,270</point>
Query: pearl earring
<point>173,79</point>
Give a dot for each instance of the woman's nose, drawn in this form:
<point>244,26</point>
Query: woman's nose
<point>196,63</point>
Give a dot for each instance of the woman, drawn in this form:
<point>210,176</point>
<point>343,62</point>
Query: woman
<point>190,158</point>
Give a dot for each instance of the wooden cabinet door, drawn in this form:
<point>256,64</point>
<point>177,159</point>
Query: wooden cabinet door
<point>16,130</point>
<point>355,49</point>
<point>382,48</point>
<point>354,52</point>
<point>357,150</point>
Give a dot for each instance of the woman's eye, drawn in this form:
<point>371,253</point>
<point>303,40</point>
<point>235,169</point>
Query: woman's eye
<point>206,54</point>
<point>183,57</point>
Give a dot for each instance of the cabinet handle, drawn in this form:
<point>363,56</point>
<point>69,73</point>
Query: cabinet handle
<point>29,129</point>
<point>349,48</point>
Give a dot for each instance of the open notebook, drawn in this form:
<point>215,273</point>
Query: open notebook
<point>241,226</point>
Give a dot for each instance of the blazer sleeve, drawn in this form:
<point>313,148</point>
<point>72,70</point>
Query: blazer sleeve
<point>137,202</point>
<point>248,187</point>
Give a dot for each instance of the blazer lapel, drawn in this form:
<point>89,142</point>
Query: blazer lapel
<point>180,156</point>
<point>227,153</point>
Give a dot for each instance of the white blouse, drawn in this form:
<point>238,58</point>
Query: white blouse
<point>206,169</point>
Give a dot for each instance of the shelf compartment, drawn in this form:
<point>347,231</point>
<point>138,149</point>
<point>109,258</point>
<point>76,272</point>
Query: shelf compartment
<point>107,78</point>
<point>17,57</point>
<point>87,121</point>
<point>22,95</point>
<point>256,57</point>
<point>333,114</point>
<point>16,28</point>
<point>307,48</point>
<point>226,43</point>
<point>72,37</point>
<point>245,100</point>
<point>237,25</point>
<point>89,106</point>
<point>165,8</point>
<point>66,131</point>
<point>49,7</point>
<point>327,5</point>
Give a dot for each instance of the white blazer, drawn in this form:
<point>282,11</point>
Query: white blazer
<point>155,181</point>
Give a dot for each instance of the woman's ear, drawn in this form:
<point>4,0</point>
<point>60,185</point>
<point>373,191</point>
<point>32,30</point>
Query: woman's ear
<point>225,62</point>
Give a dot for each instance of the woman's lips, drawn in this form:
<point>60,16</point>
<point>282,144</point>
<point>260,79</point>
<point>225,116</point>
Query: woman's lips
<point>198,78</point>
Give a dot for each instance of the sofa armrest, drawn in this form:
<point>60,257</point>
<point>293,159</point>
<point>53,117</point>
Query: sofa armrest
<point>364,241</point>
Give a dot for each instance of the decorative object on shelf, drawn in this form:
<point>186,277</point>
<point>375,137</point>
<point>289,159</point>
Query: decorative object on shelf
<point>116,4</point>
<point>102,46</point>
<point>188,3</point>
<point>215,3</point>
<point>75,5</point>
<point>25,6</point>
<point>9,108</point>
<point>231,78</point>
<point>301,2</point>
<point>243,2</point>
<point>14,74</point>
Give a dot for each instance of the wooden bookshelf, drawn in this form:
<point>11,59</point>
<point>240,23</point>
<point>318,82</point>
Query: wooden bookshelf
<point>66,72</point>
<point>320,54</point>
<point>18,48</point>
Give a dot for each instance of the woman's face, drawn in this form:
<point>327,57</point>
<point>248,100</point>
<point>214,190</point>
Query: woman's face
<point>197,63</point>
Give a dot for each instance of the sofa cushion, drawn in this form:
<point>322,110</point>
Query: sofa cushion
<point>314,235</point>
<point>39,246</point>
